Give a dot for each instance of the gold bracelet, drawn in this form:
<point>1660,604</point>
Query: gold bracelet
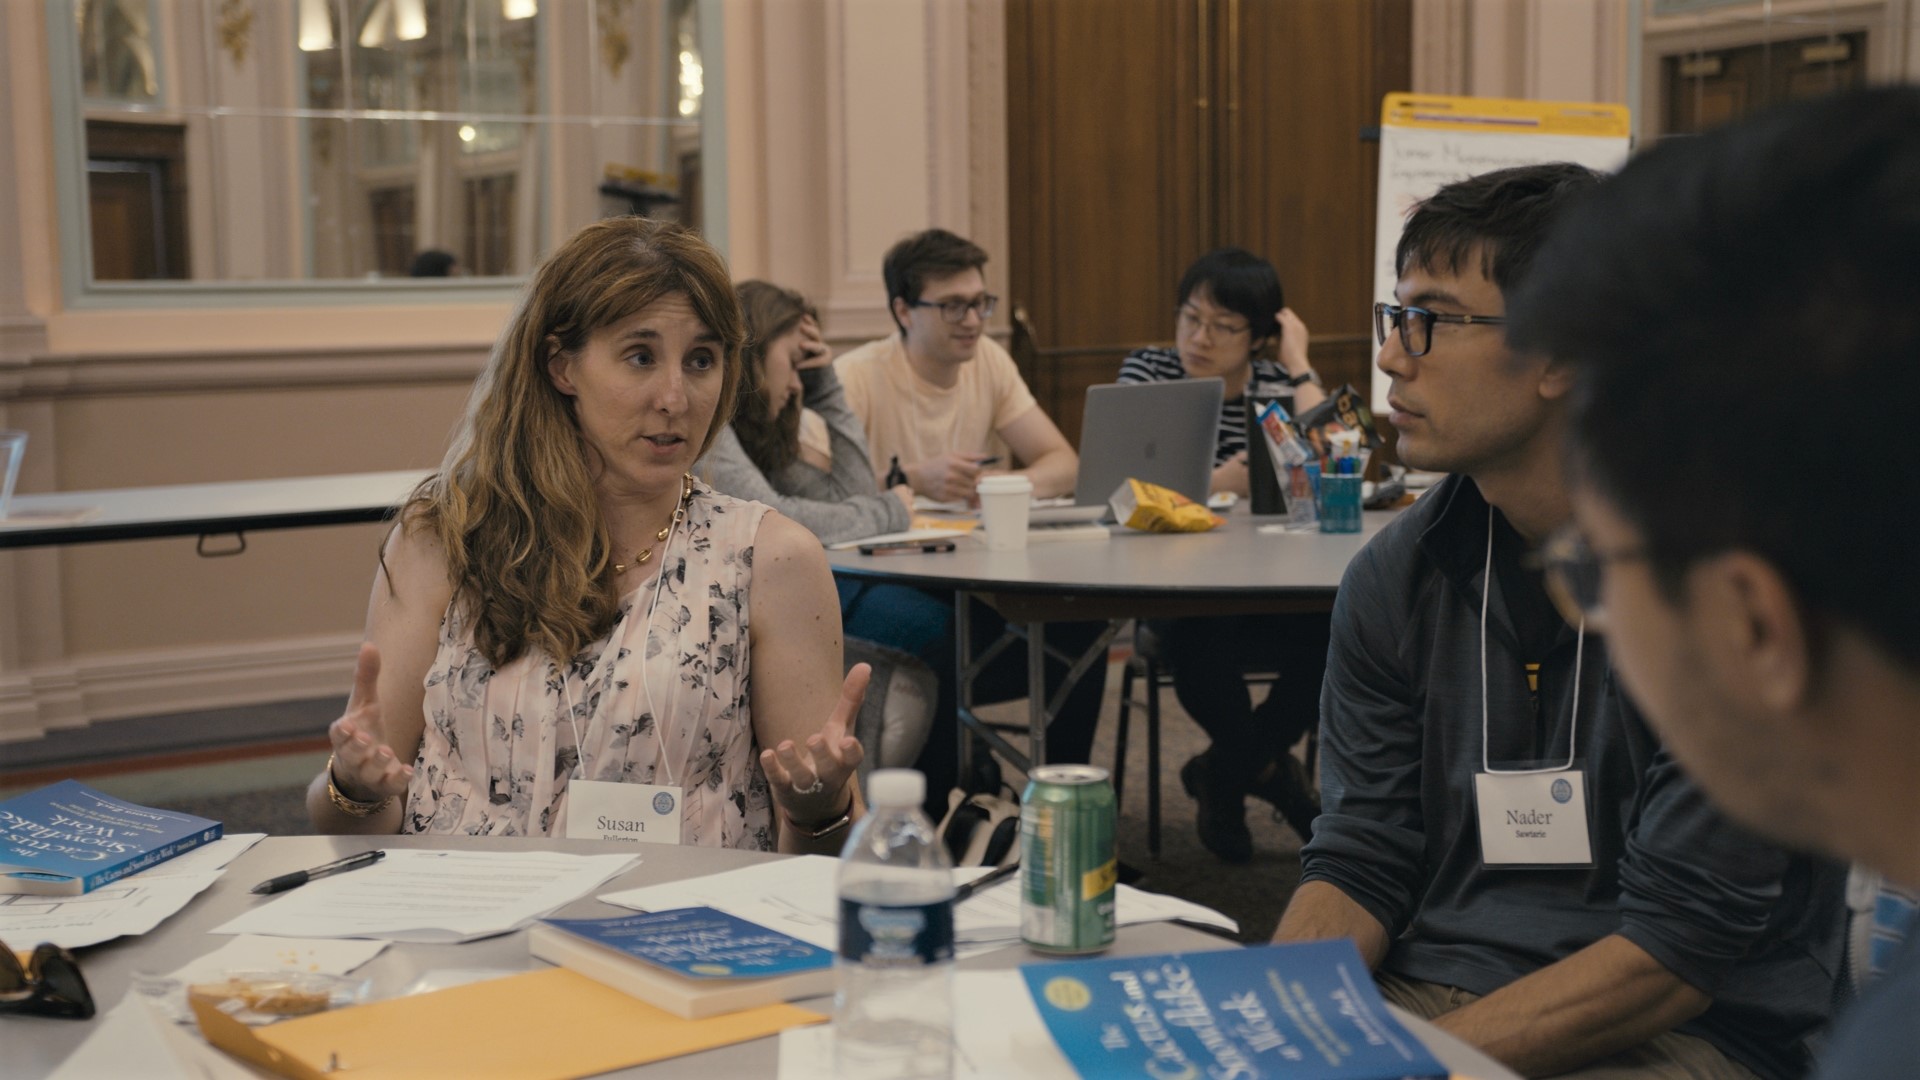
<point>351,807</point>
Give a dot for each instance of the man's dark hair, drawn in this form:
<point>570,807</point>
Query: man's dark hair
<point>1497,217</point>
<point>1241,282</point>
<point>1743,313</point>
<point>921,258</point>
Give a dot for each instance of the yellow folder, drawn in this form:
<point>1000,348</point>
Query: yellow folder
<point>543,1025</point>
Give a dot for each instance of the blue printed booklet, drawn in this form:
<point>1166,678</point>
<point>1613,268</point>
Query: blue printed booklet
<point>1303,1012</point>
<point>693,962</point>
<point>69,839</point>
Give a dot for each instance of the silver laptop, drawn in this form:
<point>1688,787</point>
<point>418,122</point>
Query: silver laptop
<point>1161,432</point>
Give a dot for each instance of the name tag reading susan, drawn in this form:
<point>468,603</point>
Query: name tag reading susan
<point>642,813</point>
<point>1533,819</point>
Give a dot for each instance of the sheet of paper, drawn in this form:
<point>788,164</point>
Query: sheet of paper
<point>132,905</point>
<point>254,952</point>
<point>938,533</point>
<point>212,856</point>
<point>432,896</point>
<point>131,1039</point>
<point>797,896</point>
<point>996,1033</point>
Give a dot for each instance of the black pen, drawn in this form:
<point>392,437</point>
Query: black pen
<point>968,889</point>
<point>301,877</point>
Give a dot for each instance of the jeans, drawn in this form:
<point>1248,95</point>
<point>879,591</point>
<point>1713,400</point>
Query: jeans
<point>1209,657</point>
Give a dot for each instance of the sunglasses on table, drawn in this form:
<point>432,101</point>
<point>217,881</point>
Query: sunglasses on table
<point>49,983</point>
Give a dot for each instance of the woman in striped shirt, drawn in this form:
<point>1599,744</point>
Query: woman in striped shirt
<point>1230,308</point>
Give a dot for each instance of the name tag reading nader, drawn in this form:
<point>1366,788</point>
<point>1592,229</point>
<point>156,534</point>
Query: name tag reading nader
<point>1533,819</point>
<point>644,813</point>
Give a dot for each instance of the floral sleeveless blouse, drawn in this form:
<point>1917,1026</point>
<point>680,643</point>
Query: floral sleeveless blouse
<point>498,750</point>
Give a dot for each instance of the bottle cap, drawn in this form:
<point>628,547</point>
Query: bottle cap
<point>896,787</point>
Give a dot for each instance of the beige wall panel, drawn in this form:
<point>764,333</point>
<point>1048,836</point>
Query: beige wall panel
<point>159,593</point>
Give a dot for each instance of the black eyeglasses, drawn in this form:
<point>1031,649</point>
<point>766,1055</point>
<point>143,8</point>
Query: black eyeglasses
<point>1416,325</point>
<point>955,310</point>
<point>1573,574</point>
<point>49,984</point>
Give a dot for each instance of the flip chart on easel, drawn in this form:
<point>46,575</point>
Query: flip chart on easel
<point>1427,140</point>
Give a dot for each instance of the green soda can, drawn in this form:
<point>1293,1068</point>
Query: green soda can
<point>1067,862</point>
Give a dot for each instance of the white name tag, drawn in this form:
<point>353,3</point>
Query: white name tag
<point>644,813</point>
<point>1533,819</point>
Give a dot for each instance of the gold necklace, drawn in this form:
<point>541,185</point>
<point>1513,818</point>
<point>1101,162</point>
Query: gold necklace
<point>679,514</point>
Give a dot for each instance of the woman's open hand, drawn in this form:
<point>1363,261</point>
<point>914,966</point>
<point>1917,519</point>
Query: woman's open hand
<point>809,780</point>
<point>364,766</point>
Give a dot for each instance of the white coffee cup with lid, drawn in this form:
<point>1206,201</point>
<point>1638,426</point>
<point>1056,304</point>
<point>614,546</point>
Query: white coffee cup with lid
<point>1005,499</point>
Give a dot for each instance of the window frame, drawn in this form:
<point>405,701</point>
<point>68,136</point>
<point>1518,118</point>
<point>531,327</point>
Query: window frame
<point>69,114</point>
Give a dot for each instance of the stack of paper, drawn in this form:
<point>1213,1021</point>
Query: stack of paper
<point>797,897</point>
<point>436,897</point>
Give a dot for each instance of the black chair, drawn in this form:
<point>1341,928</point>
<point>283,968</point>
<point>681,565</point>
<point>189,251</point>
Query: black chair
<point>1149,665</point>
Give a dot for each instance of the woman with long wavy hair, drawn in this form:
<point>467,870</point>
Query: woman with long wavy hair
<point>564,619</point>
<point>761,455</point>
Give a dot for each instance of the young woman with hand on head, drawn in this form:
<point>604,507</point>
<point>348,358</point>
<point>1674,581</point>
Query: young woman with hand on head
<point>761,456</point>
<point>564,614</point>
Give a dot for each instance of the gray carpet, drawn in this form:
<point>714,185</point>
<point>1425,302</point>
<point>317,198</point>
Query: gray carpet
<point>1253,894</point>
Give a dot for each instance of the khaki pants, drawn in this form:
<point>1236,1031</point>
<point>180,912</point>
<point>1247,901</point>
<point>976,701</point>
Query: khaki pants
<point>1670,1056</point>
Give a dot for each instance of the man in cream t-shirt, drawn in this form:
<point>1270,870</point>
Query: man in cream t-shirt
<point>945,405</point>
<point>940,398</point>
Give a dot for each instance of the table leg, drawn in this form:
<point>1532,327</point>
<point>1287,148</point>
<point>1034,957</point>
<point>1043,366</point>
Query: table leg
<point>1038,715</point>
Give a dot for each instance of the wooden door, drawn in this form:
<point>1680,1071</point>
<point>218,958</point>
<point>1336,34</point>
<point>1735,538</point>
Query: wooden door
<point>1703,90</point>
<point>137,200</point>
<point>1146,133</point>
<point>1104,162</point>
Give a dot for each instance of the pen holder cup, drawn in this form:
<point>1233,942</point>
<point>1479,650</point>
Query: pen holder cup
<point>1339,504</point>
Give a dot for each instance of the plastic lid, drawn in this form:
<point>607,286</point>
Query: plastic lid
<point>1004,482</point>
<point>896,787</point>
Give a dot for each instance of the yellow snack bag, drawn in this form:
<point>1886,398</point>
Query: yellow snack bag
<point>1152,508</point>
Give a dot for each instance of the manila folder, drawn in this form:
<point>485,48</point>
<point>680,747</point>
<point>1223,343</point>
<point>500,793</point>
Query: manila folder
<point>552,1024</point>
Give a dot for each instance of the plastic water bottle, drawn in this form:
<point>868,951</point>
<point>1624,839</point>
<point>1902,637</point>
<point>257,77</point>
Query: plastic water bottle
<point>893,1013</point>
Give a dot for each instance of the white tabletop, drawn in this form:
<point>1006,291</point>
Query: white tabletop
<point>196,509</point>
<point>36,1045</point>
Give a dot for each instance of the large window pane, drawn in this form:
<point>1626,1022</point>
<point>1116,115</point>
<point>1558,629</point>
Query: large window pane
<point>337,140</point>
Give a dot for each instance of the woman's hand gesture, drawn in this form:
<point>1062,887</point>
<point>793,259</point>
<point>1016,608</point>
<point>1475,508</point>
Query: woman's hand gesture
<point>364,766</point>
<point>809,781</point>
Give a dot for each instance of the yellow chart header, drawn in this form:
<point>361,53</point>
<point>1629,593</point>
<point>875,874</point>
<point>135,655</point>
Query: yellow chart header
<point>1440,112</point>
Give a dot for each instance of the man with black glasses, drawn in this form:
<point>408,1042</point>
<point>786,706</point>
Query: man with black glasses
<point>942,404</point>
<point>1511,847</point>
<point>941,401</point>
<point>1742,314</point>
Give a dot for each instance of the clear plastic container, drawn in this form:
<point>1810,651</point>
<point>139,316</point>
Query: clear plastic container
<point>893,1011</point>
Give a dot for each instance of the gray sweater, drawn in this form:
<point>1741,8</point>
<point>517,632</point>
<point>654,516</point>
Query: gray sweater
<point>845,504</point>
<point>1755,928</point>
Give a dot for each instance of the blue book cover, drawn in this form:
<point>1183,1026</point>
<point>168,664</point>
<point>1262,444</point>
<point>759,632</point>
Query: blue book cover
<point>701,943</point>
<point>1304,1012</point>
<point>69,839</point>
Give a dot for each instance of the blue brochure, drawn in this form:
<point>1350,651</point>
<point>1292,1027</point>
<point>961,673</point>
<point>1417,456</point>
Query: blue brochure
<point>1304,1012</point>
<point>701,943</point>
<point>68,839</point>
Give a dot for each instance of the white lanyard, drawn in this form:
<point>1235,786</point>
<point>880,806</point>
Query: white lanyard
<point>1579,650</point>
<point>646,690</point>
